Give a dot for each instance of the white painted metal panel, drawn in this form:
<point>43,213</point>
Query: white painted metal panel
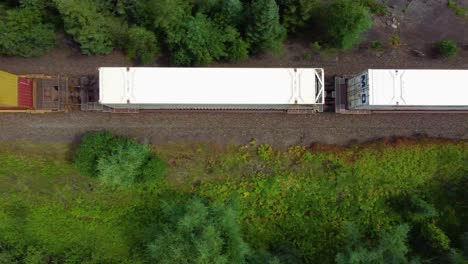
<point>418,87</point>
<point>210,86</point>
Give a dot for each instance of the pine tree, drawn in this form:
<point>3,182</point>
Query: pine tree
<point>198,233</point>
<point>264,31</point>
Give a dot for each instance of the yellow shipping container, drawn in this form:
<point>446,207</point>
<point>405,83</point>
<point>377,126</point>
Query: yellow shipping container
<point>8,89</point>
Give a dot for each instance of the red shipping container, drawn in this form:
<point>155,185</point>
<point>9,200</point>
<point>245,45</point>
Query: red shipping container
<point>25,93</point>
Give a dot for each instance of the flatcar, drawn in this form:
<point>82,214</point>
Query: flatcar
<point>211,88</point>
<point>391,90</point>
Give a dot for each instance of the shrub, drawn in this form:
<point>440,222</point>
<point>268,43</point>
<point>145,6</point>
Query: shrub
<point>447,48</point>
<point>117,161</point>
<point>23,34</point>
<point>197,233</point>
<point>395,42</point>
<point>123,166</point>
<point>342,22</point>
<point>154,169</point>
<point>93,146</point>
<point>264,31</point>
<point>141,45</point>
<point>377,45</point>
<point>459,11</point>
<point>94,29</point>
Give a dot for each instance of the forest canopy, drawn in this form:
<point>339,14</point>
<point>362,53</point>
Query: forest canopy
<point>189,32</point>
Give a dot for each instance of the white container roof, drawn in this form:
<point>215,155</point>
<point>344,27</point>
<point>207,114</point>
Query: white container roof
<point>418,87</point>
<point>246,86</point>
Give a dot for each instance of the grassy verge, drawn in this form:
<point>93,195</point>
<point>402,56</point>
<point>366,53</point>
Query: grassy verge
<point>295,204</point>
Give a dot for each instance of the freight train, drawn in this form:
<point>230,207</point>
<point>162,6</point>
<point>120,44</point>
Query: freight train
<point>290,90</point>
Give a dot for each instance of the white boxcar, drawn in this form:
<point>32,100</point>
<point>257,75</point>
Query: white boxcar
<point>408,90</point>
<point>210,88</point>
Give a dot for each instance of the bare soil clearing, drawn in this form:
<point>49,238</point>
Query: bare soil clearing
<point>279,130</point>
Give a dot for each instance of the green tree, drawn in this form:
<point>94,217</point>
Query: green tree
<point>391,247</point>
<point>296,14</point>
<point>236,48</point>
<point>198,233</point>
<point>205,6</point>
<point>141,45</point>
<point>264,31</point>
<point>38,5</point>
<point>342,22</point>
<point>167,15</point>
<point>198,42</point>
<point>231,13</point>
<point>93,28</point>
<point>24,34</point>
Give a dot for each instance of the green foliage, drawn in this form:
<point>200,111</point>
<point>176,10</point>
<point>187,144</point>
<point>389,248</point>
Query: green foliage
<point>231,13</point>
<point>198,42</point>
<point>437,237</point>
<point>376,7</point>
<point>342,22</point>
<point>405,201</point>
<point>303,199</point>
<point>205,6</point>
<point>447,48</point>
<point>193,32</point>
<point>51,215</point>
<point>92,27</point>
<point>141,45</point>
<point>123,166</point>
<point>377,45</point>
<point>264,31</point>
<point>236,49</point>
<point>154,169</point>
<point>297,14</point>
<point>167,15</point>
<point>93,147</point>
<point>390,248</point>
<point>37,5</point>
<point>117,161</point>
<point>395,41</point>
<point>198,233</point>
<point>24,34</point>
<point>135,12</point>
<point>459,10</point>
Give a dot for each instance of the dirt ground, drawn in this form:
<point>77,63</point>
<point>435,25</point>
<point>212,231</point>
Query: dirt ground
<point>279,130</point>
<point>419,23</point>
